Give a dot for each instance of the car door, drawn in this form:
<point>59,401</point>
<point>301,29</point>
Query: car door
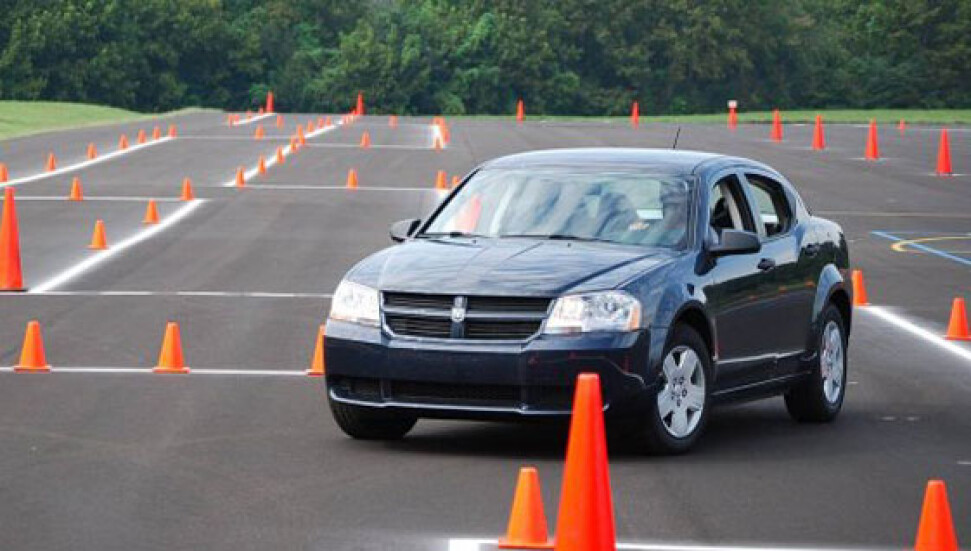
<point>790,251</point>
<point>739,294</point>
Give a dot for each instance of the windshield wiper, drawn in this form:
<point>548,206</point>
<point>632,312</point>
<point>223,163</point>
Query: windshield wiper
<point>555,237</point>
<point>451,234</point>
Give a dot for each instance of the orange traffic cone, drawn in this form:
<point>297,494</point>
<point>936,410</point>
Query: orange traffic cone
<point>187,193</point>
<point>156,132</point>
<point>261,166</point>
<point>440,182</point>
<point>872,148</point>
<point>123,142</point>
<point>317,363</point>
<point>320,123</point>
<point>520,112</point>
<point>776,134</point>
<point>172,131</point>
<point>279,155</point>
<point>957,329</point>
<point>51,162</point>
<point>259,133</point>
<point>294,145</point>
<point>859,289</point>
<point>141,136</point>
<point>585,521</point>
<point>902,126</point>
<point>240,178</point>
<point>944,155</point>
<point>328,123</point>
<point>92,152</point>
<point>365,140</point>
<point>310,126</point>
<point>936,529</point>
<point>151,213</point>
<point>32,358</point>
<point>527,522</point>
<point>170,359</point>
<point>279,121</point>
<point>635,115</point>
<point>4,174</point>
<point>269,102</point>
<point>77,194</point>
<point>352,179</point>
<point>819,139</point>
<point>456,181</point>
<point>98,240</point>
<point>359,110</point>
<point>11,276</point>
<point>393,121</point>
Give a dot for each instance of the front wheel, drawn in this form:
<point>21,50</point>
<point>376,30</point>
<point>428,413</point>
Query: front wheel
<point>364,423</point>
<point>819,398</point>
<point>677,415</point>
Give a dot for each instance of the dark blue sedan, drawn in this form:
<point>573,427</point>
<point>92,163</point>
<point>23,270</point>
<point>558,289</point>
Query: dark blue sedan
<point>684,279</point>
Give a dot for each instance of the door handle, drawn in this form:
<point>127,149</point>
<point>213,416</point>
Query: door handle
<point>766,264</point>
<point>812,249</point>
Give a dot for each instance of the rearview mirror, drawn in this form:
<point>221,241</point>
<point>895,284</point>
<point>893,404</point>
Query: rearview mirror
<point>736,242</point>
<point>403,229</point>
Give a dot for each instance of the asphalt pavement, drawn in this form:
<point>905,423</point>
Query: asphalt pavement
<point>131,460</point>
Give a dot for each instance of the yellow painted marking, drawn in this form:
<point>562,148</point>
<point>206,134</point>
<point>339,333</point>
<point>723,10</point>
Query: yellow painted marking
<point>899,245</point>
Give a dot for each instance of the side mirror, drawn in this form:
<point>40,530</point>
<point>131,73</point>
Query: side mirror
<point>403,229</point>
<point>736,242</point>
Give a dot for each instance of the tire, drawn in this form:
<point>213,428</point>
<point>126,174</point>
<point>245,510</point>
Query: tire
<point>819,398</point>
<point>661,434</point>
<point>364,423</point>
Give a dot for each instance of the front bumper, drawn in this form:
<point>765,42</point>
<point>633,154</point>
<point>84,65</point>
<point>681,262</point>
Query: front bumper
<point>482,379</point>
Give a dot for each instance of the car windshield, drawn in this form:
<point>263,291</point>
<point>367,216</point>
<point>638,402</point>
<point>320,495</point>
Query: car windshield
<point>613,205</point>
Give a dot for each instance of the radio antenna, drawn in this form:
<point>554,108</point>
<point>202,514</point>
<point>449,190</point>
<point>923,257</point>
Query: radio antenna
<point>676,136</point>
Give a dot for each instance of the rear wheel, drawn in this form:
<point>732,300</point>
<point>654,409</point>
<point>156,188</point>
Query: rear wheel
<point>677,415</point>
<point>819,398</point>
<point>364,423</point>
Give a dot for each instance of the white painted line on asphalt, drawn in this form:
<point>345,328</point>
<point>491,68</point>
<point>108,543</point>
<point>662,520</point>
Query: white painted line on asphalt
<point>192,371</point>
<point>917,331</point>
<point>64,199</point>
<point>216,294</point>
<point>270,160</point>
<point>473,544</point>
<point>105,255</point>
<point>84,164</point>
<point>252,119</point>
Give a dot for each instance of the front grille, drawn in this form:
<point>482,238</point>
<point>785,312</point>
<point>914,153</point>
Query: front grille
<point>501,330</point>
<point>441,393</point>
<point>486,317</point>
<point>411,300</point>
<point>420,327</point>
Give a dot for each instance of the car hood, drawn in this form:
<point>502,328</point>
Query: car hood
<point>524,267</point>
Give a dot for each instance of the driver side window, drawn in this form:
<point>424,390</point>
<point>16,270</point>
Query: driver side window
<point>728,208</point>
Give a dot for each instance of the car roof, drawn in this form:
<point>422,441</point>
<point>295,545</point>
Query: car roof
<point>658,161</point>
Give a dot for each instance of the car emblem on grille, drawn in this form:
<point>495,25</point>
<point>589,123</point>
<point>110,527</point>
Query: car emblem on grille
<point>458,310</point>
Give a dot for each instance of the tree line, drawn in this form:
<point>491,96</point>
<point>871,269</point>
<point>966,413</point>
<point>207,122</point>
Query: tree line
<point>582,57</point>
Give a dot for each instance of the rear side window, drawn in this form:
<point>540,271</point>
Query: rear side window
<point>774,210</point>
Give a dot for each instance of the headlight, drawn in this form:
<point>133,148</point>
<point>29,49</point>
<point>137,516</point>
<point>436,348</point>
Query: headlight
<point>603,311</point>
<point>355,303</point>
